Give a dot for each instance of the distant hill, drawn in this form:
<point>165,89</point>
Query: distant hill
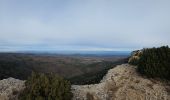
<point>79,69</point>
<point>120,82</point>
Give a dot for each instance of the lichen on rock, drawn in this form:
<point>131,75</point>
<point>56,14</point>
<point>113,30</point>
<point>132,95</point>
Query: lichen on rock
<point>10,88</point>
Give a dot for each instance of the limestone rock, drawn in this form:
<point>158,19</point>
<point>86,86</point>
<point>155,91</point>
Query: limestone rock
<point>10,88</point>
<point>122,83</point>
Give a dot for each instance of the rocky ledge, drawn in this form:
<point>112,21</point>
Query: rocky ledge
<point>123,83</point>
<point>10,88</point>
<point>120,83</point>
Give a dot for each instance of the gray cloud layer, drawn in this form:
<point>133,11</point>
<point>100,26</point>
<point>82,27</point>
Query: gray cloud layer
<point>83,24</point>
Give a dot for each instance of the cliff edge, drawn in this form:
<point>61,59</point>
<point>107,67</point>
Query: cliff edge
<point>123,83</point>
<point>120,83</point>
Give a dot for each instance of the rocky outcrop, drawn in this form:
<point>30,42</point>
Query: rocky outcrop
<point>122,83</point>
<point>10,88</point>
<point>135,56</point>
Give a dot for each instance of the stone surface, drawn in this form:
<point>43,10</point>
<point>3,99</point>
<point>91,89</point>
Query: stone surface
<point>122,83</point>
<point>10,88</point>
<point>135,55</point>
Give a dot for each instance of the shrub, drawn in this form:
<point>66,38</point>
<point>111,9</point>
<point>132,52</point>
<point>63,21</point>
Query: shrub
<point>133,60</point>
<point>155,62</point>
<point>46,87</point>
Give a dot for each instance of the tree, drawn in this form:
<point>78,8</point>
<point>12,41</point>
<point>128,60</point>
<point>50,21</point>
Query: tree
<point>46,87</point>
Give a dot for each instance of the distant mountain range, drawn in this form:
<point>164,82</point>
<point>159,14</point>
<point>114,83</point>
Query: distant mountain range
<point>74,52</point>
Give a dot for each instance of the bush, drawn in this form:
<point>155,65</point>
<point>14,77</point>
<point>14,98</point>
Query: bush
<point>133,60</point>
<point>155,62</point>
<point>46,87</point>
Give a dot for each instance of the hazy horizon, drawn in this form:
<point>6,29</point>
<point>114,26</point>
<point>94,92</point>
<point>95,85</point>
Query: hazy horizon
<point>89,25</point>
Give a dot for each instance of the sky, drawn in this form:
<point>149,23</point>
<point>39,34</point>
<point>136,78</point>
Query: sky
<point>83,24</point>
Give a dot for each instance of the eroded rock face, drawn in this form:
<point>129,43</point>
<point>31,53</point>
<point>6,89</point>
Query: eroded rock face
<point>10,88</point>
<point>122,83</point>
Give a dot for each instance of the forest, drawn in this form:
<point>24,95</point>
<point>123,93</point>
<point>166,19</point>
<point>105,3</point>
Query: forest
<point>75,68</point>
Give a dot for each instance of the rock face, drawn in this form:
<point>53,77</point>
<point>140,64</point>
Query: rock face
<point>135,56</point>
<point>122,83</point>
<point>10,88</point>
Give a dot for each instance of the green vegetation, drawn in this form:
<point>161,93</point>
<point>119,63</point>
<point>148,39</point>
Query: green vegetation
<point>77,69</point>
<point>46,87</point>
<point>95,76</point>
<point>155,62</point>
<point>14,69</point>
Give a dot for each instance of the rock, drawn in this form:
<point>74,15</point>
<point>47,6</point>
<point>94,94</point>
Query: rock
<point>122,83</point>
<point>10,88</point>
<point>135,56</point>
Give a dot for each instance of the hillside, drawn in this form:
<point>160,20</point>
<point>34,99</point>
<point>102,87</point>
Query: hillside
<point>120,83</point>
<point>90,68</point>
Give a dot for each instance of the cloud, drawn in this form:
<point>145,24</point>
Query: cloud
<point>84,24</point>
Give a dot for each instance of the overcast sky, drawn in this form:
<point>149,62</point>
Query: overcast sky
<point>83,24</point>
